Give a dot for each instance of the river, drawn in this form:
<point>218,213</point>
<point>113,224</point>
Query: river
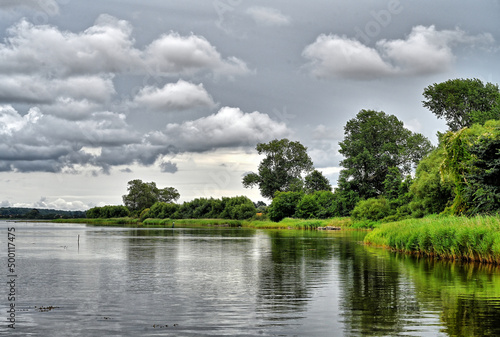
<point>74,280</point>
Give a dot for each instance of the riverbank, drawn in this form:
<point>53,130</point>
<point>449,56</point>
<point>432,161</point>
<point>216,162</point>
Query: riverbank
<point>454,238</point>
<point>286,223</point>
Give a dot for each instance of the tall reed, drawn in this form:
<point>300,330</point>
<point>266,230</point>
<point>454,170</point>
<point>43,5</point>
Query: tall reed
<point>472,239</point>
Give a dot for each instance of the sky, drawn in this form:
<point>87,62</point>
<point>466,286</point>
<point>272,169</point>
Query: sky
<point>94,94</point>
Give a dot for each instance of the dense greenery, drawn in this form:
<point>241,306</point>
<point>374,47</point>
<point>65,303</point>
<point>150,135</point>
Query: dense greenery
<point>143,195</point>
<point>375,144</point>
<point>462,102</point>
<point>108,212</point>
<point>202,208</point>
<point>474,239</point>
<point>282,168</point>
<point>472,159</point>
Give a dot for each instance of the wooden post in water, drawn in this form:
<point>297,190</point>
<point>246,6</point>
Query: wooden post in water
<point>78,242</point>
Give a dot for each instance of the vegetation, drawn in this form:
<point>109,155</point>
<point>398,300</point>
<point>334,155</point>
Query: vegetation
<point>472,239</point>
<point>143,195</point>
<point>375,143</point>
<point>282,168</point>
<point>38,213</point>
<point>236,208</point>
<point>463,102</point>
<point>108,212</point>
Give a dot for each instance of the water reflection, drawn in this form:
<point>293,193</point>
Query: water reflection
<point>229,281</point>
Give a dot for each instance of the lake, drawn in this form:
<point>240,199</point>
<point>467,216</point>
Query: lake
<point>234,282</point>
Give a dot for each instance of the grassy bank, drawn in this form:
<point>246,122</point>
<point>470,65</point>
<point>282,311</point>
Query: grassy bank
<point>102,221</point>
<point>284,224</point>
<point>155,223</point>
<point>458,238</point>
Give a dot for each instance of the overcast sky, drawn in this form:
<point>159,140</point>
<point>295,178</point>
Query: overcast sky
<point>94,94</point>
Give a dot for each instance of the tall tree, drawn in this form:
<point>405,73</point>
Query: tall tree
<point>282,168</point>
<point>316,181</point>
<point>143,195</point>
<point>461,101</point>
<point>374,143</point>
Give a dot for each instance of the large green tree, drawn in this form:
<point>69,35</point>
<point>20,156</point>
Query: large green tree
<point>374,143</point>
<point>316,181</point>
<point>143,195</point>
<point>282,168</point>
<point>461,102</point>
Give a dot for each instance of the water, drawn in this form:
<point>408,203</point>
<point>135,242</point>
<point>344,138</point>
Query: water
<point>235,282</point>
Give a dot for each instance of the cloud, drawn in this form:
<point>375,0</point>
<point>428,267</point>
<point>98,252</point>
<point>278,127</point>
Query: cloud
<point>174,96</point>
<point>229,127</point>
<point>268,16</point>
<point>45,143</point>
<point>168,167</point>
<point>60,204</point>
<point>424,51</point>
<point>40,63</point>
<point>175,54</point>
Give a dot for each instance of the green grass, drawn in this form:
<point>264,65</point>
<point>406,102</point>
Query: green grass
<point>101,221</point>
<point>284,224</point>
<point>457,238</point>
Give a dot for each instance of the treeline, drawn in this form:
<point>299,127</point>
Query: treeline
<point>108,212</point>
<point>237,208</point>
<point>36,213</point>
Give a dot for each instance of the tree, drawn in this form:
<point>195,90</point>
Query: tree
<point>284,205</point>
<point>374,143</point>
<point>143,195</point>
<point>168,194</point>
<point>316,181</point>
<point>282,168</point>
<point>472,160</point>
<point>457,100</point>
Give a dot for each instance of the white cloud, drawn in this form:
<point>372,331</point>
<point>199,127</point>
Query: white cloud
<point>268,16</point>
<point>230,127</point>
<point>174,96</point>
<point>175,54</point>
<point>424,51</point>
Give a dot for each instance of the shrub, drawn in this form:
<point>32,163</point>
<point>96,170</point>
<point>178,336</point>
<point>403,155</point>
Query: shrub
<point>373,209</point>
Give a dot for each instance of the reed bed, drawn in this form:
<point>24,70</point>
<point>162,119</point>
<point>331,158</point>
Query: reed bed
<point>456,238</point>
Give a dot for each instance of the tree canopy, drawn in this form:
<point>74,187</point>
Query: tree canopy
<point>143,195</point>
<point>282,168</point>
<point>462,102</point>
<point>374,143</point>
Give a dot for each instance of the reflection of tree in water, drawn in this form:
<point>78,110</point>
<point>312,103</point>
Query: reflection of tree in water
<point>295,264</point>
<point>468,294</point>
<point>375,298</point>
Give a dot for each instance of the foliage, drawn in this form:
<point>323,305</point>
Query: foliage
<point>108,211</point>
<point>471,159</point>
<point>316,181</point>
<point>143,195</point>
<point>282,168</point>
<point>461,101</point>
<point>307,207</point>
<point>431,190</point>
<point>284,205</point>
<point>374,143</point>
<point>473,239</point>
<point>203,208</point>
<point>372,209</point>
<point>318,205</point>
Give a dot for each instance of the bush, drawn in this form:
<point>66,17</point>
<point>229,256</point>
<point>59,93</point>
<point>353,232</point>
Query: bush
<point>108,212</point>
<point>373,209</point>
<point>284,205</point>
